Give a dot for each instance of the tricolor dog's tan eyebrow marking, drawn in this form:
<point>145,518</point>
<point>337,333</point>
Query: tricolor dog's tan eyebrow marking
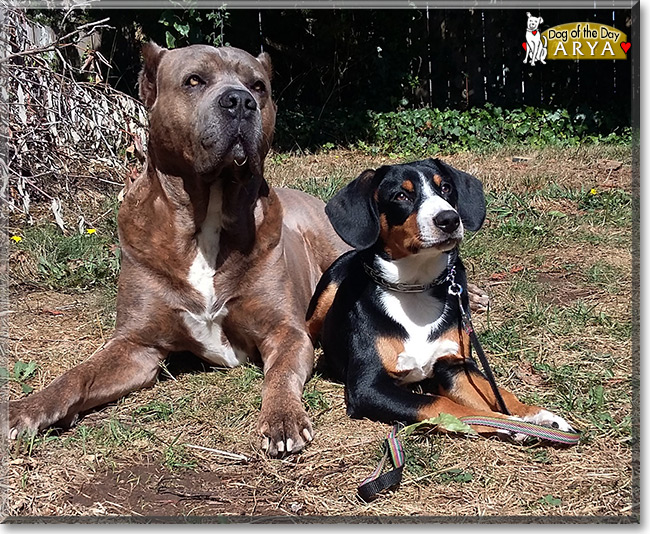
<point>408,186</point>
<point>437,179</point>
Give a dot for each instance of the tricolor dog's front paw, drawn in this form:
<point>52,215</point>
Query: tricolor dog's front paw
<point>543,418</point>
<point>284,428</point>
<point>549,419</point>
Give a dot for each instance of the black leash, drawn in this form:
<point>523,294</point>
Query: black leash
<point>456,290</point>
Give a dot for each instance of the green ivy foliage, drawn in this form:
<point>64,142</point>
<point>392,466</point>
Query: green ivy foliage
<point>426,131</point>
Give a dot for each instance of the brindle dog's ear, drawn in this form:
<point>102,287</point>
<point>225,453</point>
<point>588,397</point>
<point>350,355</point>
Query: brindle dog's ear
<point>353,211</point>
<point>265,60</point>
<point>471,200</point>
<point>151,55</point>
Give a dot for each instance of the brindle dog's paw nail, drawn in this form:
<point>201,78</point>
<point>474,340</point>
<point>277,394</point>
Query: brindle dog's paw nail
<point>13,433</point>
<point>289,444</point>
<point>265,444</point>
<point>280,446</point>
<point>307,434</point>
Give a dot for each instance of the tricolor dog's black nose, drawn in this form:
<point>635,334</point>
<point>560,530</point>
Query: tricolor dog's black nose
<point>238,103</point>
<point>447,221</point>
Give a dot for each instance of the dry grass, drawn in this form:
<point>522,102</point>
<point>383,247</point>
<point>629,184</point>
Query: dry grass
<point>557,333</point>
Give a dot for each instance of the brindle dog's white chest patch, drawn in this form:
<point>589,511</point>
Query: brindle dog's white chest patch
<point>419,314</point>
<point>206,327</point>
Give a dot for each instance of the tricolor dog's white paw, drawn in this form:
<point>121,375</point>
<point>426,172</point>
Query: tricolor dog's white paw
<point>542,418</point>
<point>549,419</point>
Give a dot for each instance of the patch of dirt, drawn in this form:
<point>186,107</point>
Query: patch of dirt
<point>153,491</point>
<point>561,205</point>
<point>560,291</point>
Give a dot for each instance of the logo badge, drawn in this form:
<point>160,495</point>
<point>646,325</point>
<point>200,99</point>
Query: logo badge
<point>573,40</point>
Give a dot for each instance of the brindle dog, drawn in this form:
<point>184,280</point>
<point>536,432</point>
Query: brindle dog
<point>214,261</point>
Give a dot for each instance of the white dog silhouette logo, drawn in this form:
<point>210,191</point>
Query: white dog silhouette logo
<point>535,48</point>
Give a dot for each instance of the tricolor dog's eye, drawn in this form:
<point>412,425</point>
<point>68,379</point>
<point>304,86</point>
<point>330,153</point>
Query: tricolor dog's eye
<point>401,197</point>
<point>445,188</point>
<point>194,81</point>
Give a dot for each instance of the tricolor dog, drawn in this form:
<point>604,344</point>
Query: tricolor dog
<point>383,312</point>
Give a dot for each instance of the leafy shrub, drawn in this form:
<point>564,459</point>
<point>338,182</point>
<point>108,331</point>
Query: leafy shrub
<point>426,131</point>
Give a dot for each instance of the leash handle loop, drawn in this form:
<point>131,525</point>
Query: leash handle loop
<point>377,482</point>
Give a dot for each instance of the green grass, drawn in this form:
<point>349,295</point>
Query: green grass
<point>518,228</point>
<point>323,188</point>
<point>71,262</point>
<point>422,455</point>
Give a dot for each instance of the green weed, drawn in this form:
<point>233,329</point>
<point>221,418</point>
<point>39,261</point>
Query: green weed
<point>550,500</point>
<point>456,475</point>
<point>422,454</point>
<point>175,456</point>
<point>156,411</point>
<point>20,373</point>
<point>314,399</point>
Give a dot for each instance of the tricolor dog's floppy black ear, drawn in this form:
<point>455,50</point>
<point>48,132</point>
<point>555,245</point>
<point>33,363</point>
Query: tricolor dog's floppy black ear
<point>471,200</point>
<point>353,211</point>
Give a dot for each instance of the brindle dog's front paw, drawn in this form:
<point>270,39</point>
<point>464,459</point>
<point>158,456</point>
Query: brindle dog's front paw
<point>479,300</point>
<point>22,420</point>
<point>284,428</point>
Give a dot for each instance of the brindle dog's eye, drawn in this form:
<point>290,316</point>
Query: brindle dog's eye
<point>194,81</point>
<point>445,188</point>
<point>259,86</point>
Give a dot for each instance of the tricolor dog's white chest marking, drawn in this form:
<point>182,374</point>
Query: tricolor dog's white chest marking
<point>419,314</point>
<point>206,326</point>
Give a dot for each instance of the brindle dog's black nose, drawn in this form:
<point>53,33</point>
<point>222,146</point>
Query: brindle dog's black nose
<point>447,221</point>
<point>238,102</point>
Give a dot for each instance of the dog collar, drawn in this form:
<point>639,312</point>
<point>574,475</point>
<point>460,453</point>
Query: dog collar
<point>412,288</point>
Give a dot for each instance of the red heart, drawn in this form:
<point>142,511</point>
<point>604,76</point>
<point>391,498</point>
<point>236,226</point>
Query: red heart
<point>535,32</point>
<point>524,45</point>
<point>626,46</point>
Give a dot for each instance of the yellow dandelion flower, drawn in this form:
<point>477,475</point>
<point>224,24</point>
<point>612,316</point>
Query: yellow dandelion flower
<point>16,238</point>
<point>593,191</point>
<point>91,231</point>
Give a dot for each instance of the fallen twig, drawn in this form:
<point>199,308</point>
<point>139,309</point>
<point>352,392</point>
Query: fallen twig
<point>225,454</point>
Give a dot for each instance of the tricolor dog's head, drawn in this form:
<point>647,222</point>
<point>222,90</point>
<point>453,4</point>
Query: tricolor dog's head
<point>412,208</point>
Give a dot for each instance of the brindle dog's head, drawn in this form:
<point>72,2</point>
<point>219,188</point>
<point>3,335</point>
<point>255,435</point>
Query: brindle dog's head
<point>210,109</point>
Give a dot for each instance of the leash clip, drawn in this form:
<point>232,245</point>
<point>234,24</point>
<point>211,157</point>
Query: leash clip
<point>455,289</point>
